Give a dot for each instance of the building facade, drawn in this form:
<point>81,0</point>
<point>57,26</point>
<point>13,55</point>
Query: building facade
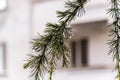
<point>20,22</point>
<point>14,34</point>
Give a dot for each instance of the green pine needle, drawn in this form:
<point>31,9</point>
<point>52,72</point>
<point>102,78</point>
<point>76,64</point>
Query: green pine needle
<point>51,47</point>
<point>114,43</point>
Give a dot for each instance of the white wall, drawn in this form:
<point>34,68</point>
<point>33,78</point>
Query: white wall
<point>95,11</point>
<point>46,12</point>
<point>14,31</point>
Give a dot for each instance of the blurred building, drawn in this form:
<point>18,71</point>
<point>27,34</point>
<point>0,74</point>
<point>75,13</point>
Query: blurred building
<point>14,38</point>
<point>20,20</point>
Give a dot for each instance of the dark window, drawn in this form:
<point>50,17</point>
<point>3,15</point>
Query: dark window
<point>73,48</point>
<point>2,58</point>
<point>84,52</point>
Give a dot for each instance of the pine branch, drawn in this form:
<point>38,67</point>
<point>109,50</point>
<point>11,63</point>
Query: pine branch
<point>114,43</point>
<point>51,47</point>
<point>74,8</point>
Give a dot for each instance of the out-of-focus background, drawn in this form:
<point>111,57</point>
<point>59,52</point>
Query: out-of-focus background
<point>20,20</point>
